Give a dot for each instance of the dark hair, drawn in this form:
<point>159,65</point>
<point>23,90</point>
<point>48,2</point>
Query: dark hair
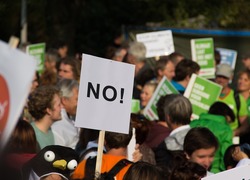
<point>228,159</point>
<point>178,108</point>
<point>141,125</point>
<point>217,57</point>
<point>143,170</point>
<point>117,140</point>
<point>75,66</point>
<point>160,108</point>
<point>199,138</point>
<point>40,100</point>
<point>23,139</point>
<point>185,68</point>
<point>174,57</point>
<point>188,171</point>
<point>220,108</point>
<point>161,63</point>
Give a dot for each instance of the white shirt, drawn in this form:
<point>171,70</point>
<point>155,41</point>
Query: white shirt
<point>65,132</point>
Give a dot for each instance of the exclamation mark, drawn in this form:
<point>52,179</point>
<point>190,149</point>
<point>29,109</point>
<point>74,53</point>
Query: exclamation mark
<point>122,93</point>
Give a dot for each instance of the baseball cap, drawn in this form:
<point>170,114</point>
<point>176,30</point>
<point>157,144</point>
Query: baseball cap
<point>224,70</point>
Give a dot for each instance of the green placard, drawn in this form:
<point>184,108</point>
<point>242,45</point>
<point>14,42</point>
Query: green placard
<point>163,88</point>
<point>38,51</point>
<point>135,107</point>
<point>202,93</point>
<point>203,54</point>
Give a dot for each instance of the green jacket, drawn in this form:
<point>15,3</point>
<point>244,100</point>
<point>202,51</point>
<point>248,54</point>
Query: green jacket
<point>221,129</point>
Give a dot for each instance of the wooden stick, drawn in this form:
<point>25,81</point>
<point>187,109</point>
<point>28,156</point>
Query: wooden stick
<point>99,154</point>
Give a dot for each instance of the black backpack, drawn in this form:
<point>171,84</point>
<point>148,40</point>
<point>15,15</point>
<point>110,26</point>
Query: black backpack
<point>90,169</point>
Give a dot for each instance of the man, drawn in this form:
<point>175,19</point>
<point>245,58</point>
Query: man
<point>70,68</point>
<point>65,132</point>
<point>164,67</point>
<point>223,75</point>
<point>143,71</point>
<point>183,72</point>
<point>200,146</point>
<point>116,144</point>
<point>45,106</point>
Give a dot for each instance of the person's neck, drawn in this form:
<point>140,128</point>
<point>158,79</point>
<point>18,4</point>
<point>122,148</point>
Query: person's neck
<point>118,152</point>
<point>184,83</point>
<point>162,123</point>
<point>225,91</point>
<point>138,66</point>
<point>245,94</point>
<point>44,124</point>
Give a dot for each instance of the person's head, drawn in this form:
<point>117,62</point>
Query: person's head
<point>48,77</point>
<point>143,170</point>
<point>136,52</point>
<point>165,67</point>
<point>243,82</point>
<point>51,58</point>
<point>147,92</point>
<point>188,170</point>
<point>176,57</point>
<point>160,108</point>
<point>222,109</point>
<point>228,158</point>
<point>185,69</point>
<point>141,125</point>
<point>246,60</point>
<point>69,95</point>
<point>115,140</point>
<point>177,109</point>
<point>45,101</point>
<point>23,139</point>
<point>223,75</point>
<point>62,48</point>
<point>120,54</point>
<point>200,145</point>
<point>70,68</point>
<point>217,57</point>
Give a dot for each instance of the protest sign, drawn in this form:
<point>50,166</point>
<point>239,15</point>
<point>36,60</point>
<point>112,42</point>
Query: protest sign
<point>157,43</point>
<point>239,173</point>
<point>38,51</point>
<point>105,94</point>
<point>203,54</point>
<point>228,56</point>
<point>202,93</point>
<point>17,70</point>
<point>135,107</point>
<point>13,41</point>
<point>164,87</point>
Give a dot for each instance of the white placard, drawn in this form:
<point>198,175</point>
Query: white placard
<point>238,173</point>
<point>17,70</point>
<point>105,94</point>
<point>157,43</point>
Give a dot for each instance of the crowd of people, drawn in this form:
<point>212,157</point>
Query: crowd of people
<point>46,144</point>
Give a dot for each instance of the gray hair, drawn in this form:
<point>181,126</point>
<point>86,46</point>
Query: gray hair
<point>66,87</point>
<point>178,108</point>
<point>138,50</point>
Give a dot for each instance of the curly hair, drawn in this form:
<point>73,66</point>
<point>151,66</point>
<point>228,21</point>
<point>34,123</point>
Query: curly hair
<point>41,99</point>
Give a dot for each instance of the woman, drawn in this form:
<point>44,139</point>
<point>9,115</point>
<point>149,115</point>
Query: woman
<point>243,87</point>
<point>147,92</point>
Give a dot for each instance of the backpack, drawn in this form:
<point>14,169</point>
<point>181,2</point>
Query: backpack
<point>90,169</point>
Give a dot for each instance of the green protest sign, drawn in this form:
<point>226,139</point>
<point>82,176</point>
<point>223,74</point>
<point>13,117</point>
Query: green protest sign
<point>203,54</point>
<point>37,51</point>
<point>202,93</point>
<point>135,107</point>
<point>163,88</point>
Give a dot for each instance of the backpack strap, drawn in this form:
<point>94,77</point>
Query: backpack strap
<point>117,167</point>
<point>237,101</point>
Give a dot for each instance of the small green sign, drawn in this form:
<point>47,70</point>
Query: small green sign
<point>37,51</point>
<point>202,93</point>
<point>135,107</point>
<point>163,88</point>
<point>203,54</point>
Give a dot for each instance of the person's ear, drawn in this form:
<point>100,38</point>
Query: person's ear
<point>48,111</point>
<point>187,156</point>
